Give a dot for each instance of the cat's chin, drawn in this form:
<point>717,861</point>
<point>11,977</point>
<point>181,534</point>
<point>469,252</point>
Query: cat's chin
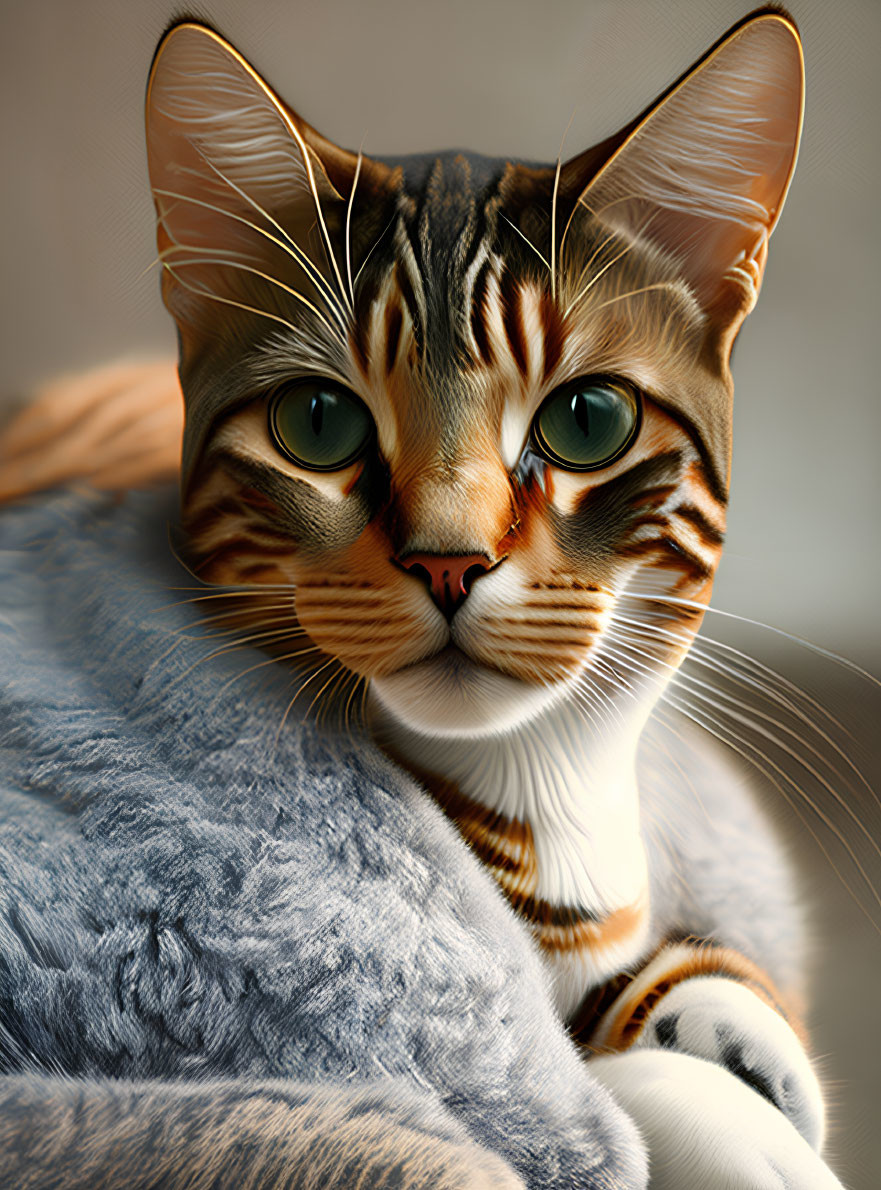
<point>451,695</point>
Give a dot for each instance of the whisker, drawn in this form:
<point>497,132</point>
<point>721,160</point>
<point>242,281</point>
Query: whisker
<point>613,235</point>
<point>720,694</point>
<point>333,678</point>
<point>214,297</point>
<point>580,297</point>
<point>753,757</point>
<point>349,226</point>
<point>610,264</point>
<point>378,241</point>
<point>291,628</point>
<point>745,662</point>
<point>526,240</point>
<point>753,685</point>
<point>239,593</point>
<point>594,211</point>
<point>311,678</point>
<point>269,661</point>
<point>678,700</point>
<point>328,247</point>
<point>246,268</point>
<point>233,589</point>
<point>294,251</point>
<point>781,783</point>
<point>658,597</point>
<point>595,707</point>
<point>232,647</point>
<point>359,678</point>
<point>241,611</point>
<point>674,760</point>
<point>669,285</point>
<point>339,680</point>
<point>305,262</point>
<point>554,209</point>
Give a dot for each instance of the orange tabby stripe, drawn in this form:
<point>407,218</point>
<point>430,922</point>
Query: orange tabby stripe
<point>507,848</point>
<point>624,1021</point>
<point>591,936</point>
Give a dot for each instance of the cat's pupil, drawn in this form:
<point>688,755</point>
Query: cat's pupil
<point>580,410</point>
<point>317,413</point>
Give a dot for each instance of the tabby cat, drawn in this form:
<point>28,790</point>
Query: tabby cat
<point>458,429</point>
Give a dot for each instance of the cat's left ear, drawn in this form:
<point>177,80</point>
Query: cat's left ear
<point>704,173</point>
<point>252,202</point>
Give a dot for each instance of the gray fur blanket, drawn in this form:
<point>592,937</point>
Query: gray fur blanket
<point>233,957</point>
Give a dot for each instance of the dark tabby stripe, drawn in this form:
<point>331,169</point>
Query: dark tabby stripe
<point>512,317</point>
<point>203,521</point>
<point>606,513</point>
<point>704,526</point>
<point>590,935</point>
<point>558,929</point>
<point>543,913</point>
<point>573,586</point>
<point>478,313</point>
<point>681,558</point>
<point>552,326</point>
<point>243,543</point>
<point>714,481</point>
<point>408,294</point>
<point>654,495</point>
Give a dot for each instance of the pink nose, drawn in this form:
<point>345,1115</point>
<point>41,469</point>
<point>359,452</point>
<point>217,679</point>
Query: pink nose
<point>449,577</point>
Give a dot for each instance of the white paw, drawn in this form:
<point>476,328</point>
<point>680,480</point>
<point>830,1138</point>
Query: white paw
<point>706,1129</point>
<point>726,1023</point>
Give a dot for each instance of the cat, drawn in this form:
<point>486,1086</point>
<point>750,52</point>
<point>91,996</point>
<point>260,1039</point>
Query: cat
<point>459,428</point>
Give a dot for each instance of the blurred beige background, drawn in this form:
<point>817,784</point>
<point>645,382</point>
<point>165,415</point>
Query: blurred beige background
<point>504,76</point>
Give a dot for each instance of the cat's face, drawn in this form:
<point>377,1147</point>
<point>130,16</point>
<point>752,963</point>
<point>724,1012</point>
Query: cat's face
<point>457,415</point>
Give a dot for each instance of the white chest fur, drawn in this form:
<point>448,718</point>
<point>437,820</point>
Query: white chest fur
<point>575,786</point>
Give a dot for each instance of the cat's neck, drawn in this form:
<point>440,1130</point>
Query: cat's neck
<point>552,808</point>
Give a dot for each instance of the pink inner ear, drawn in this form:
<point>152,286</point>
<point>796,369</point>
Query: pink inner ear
<point>705,174</point>
<point>242,204</point>
<point>210,118</point>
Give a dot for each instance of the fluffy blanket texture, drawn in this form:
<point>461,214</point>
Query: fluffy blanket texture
<point>187,894</point>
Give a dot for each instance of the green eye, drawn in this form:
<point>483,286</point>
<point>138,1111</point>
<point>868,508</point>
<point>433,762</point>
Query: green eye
<point>587,423</point>
<point>319,425</point>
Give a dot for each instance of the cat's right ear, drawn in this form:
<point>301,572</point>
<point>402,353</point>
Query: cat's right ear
<point>251,202</point>
<point>703,174</point>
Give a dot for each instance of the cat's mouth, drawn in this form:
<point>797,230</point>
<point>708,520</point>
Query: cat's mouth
<point>451,694</point>
<point>453,659</point>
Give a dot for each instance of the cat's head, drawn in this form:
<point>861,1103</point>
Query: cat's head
<point>458,415</point>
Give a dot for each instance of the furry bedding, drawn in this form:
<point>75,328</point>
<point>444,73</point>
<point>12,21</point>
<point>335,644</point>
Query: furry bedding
<point>187,894</point>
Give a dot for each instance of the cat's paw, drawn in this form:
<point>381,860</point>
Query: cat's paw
<point>726,1023</point>
<point>712,1002</point>
<point>706,1129</point>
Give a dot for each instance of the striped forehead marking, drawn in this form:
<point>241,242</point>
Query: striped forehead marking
<point>513,324</point>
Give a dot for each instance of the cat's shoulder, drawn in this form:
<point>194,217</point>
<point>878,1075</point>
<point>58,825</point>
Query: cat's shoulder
<point>717,850</point>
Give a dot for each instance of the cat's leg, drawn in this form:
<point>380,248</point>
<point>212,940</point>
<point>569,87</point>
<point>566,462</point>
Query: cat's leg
<point>713,1003</point>
<point>75,1134</point>
<point>114,427</point>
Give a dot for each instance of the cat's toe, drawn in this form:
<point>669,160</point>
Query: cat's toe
<point>724,1022</point>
